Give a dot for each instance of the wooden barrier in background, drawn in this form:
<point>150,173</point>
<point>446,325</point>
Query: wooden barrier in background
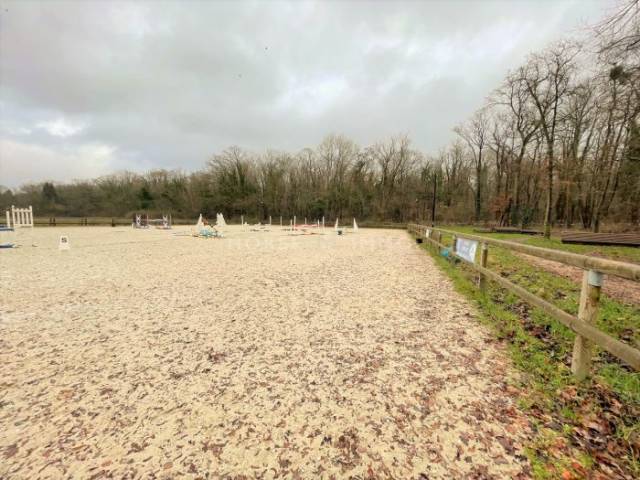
<point>583,324</point>
<point>589,238</point>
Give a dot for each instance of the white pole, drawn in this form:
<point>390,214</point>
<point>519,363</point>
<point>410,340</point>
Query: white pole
<point>242,220</point>
<point>33,243</point>
<point>269,220</point>
<point>305,220</point>
<point>323,222</point>
<point>8,219</point>
<point>294,222</point>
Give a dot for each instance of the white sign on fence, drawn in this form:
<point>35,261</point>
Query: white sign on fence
<point>466,249</point>
<point>64,243</point>
<point>428,233</point>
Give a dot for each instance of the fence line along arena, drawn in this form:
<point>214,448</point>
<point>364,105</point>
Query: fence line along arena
<point>268,351</point>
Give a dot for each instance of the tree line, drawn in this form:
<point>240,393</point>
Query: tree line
<point>556,143</point>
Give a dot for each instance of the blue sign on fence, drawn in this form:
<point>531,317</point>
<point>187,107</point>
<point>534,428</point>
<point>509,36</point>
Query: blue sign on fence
<point>466,249</point>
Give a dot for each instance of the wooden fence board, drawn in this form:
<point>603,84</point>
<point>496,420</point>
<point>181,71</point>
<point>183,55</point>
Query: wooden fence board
<point>626,239</point>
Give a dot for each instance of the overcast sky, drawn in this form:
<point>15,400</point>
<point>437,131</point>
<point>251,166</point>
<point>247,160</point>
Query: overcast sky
<point>89,88</point>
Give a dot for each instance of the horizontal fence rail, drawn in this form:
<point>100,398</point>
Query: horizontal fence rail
<point>582,325</point>
<point>603,265</point>
<point>96,221</point>
<point>126,221</point>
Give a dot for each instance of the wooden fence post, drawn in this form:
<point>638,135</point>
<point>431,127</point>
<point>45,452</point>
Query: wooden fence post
<point>482,280</point>
<point>587,312</point>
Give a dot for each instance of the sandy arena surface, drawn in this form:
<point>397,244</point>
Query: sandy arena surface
<point>140,354</point>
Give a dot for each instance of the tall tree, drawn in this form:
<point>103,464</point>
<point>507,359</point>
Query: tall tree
<point>547,77</point>
<point>475,134</point>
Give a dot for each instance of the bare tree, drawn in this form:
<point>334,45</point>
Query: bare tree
<point>619,34</point>
<point>514,95</point>
<point>474,133</point>
<point>547,77</point>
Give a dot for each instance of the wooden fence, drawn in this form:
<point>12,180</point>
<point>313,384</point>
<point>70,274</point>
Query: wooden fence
<point>120,221</point>
<point>628,239</point>
<point>95,221</point>
<point>583,325</point>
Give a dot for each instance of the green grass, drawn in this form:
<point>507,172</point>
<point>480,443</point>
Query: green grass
<point>541,347</point>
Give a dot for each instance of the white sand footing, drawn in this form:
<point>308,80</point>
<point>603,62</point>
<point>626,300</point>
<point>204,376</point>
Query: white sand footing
<point>141,354</point>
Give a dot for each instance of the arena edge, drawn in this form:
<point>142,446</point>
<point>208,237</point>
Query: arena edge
<point>558,405</point>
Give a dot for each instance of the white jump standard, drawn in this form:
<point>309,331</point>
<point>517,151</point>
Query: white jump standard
<point>17,218</point>
<point>20,217</point>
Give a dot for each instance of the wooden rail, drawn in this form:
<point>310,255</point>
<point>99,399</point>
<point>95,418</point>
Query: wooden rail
<point>95,221</point>
<point>583,324</point>
<point>603,265</point>
<point>624,239</point>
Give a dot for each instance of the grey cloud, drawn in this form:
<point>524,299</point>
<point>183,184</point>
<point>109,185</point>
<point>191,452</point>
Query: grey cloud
<point>92,87</point>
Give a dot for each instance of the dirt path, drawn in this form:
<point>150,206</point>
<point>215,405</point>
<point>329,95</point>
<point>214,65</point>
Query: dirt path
<point>141,355</point>
<point>625,291</point>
